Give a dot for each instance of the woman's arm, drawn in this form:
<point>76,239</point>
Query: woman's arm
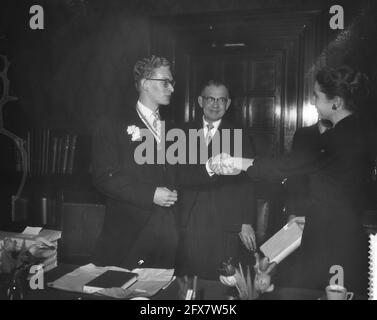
<point>294,163</point>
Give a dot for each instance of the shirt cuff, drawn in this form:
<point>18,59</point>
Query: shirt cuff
<point>209,171</point>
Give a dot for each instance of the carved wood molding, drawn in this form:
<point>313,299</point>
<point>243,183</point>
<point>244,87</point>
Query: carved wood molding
<point>5,96</point>
<point>20,143</point>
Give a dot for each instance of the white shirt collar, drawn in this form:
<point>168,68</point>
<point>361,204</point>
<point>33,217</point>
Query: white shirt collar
<point>215,124</point>
<point>146,112</point>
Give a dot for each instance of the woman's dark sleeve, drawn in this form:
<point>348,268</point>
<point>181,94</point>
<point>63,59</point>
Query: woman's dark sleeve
<point>300,162</point>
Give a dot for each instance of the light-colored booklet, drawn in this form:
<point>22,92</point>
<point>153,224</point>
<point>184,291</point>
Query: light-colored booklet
<point>283,243</point>
<point>373,267</point>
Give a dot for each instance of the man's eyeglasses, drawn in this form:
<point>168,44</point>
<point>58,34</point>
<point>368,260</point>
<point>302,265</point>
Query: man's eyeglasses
<point>166,82</point>
<point>211,100</point>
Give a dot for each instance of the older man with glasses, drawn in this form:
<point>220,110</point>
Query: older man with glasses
<point>215,216</point>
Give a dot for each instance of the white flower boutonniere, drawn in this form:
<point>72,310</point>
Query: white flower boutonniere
<point>135,131</point>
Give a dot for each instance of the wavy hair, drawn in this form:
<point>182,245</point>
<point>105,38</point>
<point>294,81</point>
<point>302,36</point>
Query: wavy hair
<point>344,82</point>
<point>145,68</point>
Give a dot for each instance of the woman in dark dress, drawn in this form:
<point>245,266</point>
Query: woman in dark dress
<point>333,233</point>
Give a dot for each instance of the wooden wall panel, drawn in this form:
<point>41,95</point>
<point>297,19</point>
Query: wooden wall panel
<point>264,141</point>
<point>263,76</point>
<point>236,75</point>
<point>255,85</point>
<point>262,112</point>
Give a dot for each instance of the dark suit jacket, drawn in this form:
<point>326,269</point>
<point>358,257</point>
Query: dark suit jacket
<point>134,228</point>
<point>211,213</point>
<point>235,194</point>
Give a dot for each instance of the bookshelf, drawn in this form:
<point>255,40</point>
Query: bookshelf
<point>57,160</point>
<point>49,152</point>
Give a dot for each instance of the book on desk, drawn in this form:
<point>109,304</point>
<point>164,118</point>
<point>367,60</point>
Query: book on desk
<point>111,279</point>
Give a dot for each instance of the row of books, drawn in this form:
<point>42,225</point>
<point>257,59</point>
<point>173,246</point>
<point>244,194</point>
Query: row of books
<point>48,152</point>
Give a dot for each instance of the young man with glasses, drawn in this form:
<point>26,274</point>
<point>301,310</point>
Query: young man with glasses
<point>139,226</point>
<point>214,216</point>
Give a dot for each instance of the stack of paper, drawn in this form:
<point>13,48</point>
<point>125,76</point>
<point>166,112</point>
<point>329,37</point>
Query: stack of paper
<point>41,243</point>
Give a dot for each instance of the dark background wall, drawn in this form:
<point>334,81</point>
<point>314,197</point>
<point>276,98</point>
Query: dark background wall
<point>79,67</point>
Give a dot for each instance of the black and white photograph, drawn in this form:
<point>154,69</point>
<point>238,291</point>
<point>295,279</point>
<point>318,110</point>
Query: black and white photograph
<point>217,151</point>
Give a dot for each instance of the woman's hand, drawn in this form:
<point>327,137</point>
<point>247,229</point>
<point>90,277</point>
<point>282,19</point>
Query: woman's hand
<point>299,220</point>
<point>242,163</point>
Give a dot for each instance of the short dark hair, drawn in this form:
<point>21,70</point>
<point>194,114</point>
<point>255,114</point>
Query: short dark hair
<point>144,68</point>
<point>216,83</point>
<point>344,82</point>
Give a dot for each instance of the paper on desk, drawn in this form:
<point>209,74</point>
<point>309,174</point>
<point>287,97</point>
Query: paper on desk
<point>32,230</point>
<point>149,282</point>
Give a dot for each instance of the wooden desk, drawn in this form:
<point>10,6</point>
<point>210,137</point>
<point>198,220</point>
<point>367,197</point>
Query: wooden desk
<point>206,290</point>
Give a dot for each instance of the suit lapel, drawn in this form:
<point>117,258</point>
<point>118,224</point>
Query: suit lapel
<point>223,125</point>
<point>218,131</point>
<point>169,171</point>
<point>134,119</point>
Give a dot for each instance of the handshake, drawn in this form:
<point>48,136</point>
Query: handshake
<point>224,164</point>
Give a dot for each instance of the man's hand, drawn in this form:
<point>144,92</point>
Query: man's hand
<point>216,161</point>
<point>163,197</point>
<point>247,236</point>
<point>223,164</point>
